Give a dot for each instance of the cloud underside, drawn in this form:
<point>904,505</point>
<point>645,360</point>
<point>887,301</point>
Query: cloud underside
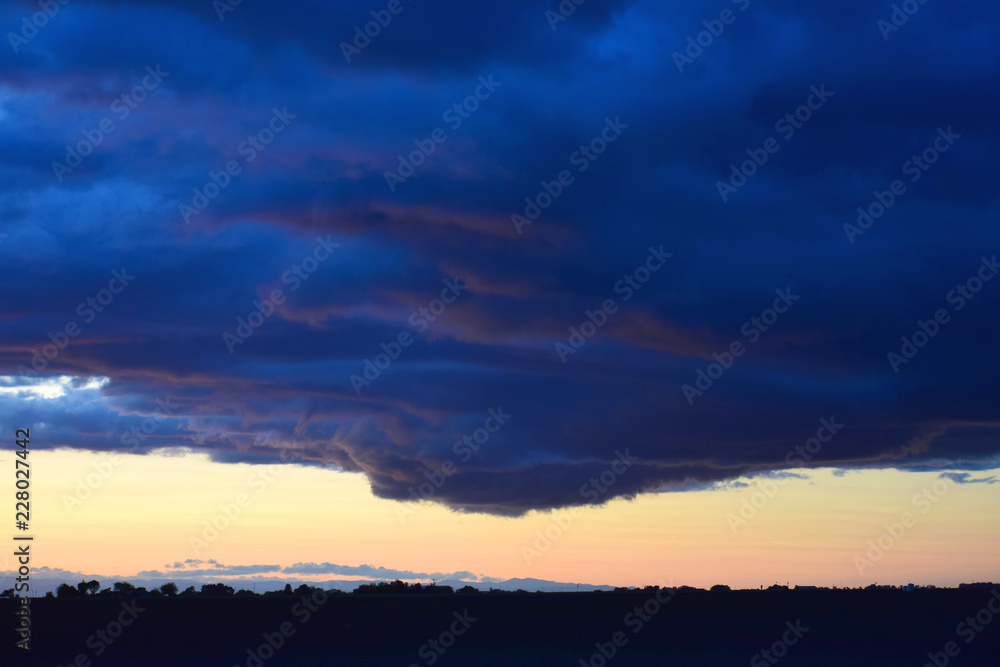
<point>313,219</point>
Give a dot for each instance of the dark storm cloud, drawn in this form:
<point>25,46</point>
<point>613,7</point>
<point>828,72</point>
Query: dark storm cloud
<point>287,383</point>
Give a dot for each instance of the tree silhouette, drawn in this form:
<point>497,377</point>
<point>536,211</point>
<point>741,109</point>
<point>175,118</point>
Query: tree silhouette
<point>169,589</point>
<point>124,588</point>
<point>217,589</point>
<point>66,591</point>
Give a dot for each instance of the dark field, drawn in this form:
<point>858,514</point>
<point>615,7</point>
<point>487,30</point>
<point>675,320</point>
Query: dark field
<point>693,628</point>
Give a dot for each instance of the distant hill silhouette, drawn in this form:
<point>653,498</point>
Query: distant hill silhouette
<point>217,626</point>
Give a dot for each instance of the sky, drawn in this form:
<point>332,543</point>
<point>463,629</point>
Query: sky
<point>420,282</point>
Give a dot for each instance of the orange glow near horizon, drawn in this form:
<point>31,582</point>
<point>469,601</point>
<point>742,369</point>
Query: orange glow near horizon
<point>144,514</point>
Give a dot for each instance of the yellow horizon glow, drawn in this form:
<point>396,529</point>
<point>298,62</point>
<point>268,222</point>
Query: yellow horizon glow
<point>143,515</point>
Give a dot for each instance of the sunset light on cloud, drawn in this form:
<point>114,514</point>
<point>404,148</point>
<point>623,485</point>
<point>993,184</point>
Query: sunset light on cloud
<point>819,525</point>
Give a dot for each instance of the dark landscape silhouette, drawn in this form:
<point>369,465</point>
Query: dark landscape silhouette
<point>396,623</point>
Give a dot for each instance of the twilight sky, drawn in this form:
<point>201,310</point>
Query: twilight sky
<point>506,261</point>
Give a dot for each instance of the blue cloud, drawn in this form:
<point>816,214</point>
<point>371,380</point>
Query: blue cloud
<point>287,386</point>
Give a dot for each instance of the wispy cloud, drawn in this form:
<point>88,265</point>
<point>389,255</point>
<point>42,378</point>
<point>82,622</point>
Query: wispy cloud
<point>966,478</point>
